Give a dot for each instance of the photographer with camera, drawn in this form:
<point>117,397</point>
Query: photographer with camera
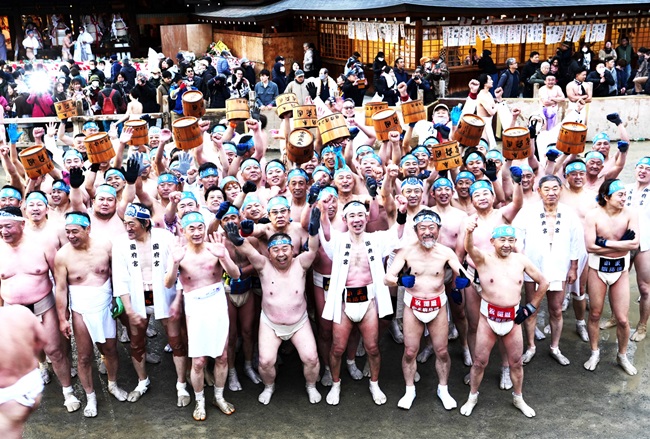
<point>417,82</point>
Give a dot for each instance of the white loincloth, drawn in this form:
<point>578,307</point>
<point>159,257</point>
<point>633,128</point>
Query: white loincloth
<point>94,305</point>
<point>207,322</point>
<point>25,391</point>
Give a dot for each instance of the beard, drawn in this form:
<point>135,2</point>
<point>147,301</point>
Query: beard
<point>428,244</point>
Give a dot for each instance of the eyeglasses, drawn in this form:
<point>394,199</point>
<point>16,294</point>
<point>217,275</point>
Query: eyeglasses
<point>278,212</point>
<point>348,108</point>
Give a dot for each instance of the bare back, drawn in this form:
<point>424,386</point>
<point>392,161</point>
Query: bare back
<point>22,340</point>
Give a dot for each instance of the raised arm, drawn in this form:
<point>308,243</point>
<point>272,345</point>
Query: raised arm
<point>477,255</point>
<point>244,247</point>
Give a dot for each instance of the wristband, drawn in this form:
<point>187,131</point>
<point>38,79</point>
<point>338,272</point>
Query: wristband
<point>404,98</point>
<point>233,125</point>
<point>472,95</point>
<point>401,217</point>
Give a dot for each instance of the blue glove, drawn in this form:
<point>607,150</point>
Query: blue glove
<point>623,146</point>
<point>424,174</point>
<point>248,187</point>
<point>455,114</point>
<point>628,235</point>
<point>524,312</point>
<point>461,281</point>
<point>240,286</point>
<point>600,241</point>
<point>371,185</point>
<point>184,162</point>
<point>223,208</point>
<point>247,227</point>
<point>516,173</point>
<point>13,132</point>
<point>456,296</point>
<point>353,132</point>
<point>233,234</point>
<point>407,279</point>
<point>552,154</point>
<point>314,190</point>
<point>314,222</point>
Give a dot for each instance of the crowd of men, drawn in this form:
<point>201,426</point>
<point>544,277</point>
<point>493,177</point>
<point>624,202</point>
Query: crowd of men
<point>222,243</point>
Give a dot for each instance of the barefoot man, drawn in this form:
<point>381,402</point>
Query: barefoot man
<point>25,280</point>
<point>425,300</point>
<point>284,305</point>
<point>23,338</point>
<point>200,266</point>
<point>502,275</point>
<point>610,235</point>
<point>83,267</point>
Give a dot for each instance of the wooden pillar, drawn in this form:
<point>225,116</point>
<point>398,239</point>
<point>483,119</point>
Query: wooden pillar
<point>418,41</point>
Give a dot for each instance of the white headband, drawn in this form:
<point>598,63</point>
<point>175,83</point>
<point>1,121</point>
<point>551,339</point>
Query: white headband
<point>354,207</point>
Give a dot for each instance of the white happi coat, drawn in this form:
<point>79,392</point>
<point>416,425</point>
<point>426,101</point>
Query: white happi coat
<point>379,245</point>
<point>127,273</point>
<point>554,258</point>
<point>640,200</point>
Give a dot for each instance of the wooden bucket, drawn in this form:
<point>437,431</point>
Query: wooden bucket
<point>286,103</point>
<point>572,138</point>
<point>469,131</point>
<point>237,109</point>
<point>362,83</point>
<point>304,116</point>
<point>193,103</point>
<point>140,132</point>
<point>65,109</point>
<point>99,148</point>
<point>446,155</point>
<point>386,121</point>
<point>36,161</point>
<point>516,143</point>
<point>332,128</point>
<point>300,147</point>
<point>413,111</point>
<point>371,108</point>
<point>187,133</point>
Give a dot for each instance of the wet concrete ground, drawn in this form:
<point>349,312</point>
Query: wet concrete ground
<point>570,402</point>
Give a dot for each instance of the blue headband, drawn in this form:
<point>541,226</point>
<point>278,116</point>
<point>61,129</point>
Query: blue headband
<point>326,150</point>
<point>526,168</point>
<point>478,185</point>
<point>36,196</point>
<point>643,161</point>
<point>113,172</point>
<point>90,126</point>
<point>187,194</point>
<point>232,210</point>
<point>106,189</point>
<point>248,200</point>
<point>274,165</point>
<point>504,231</point>
<point>342,170</point>
<point>167,178</point>
<point>207,172</point>
<point>474,157</point>
<point>615,186</point>
<point>219,129</point>
<point>246,144</point>
<point>152,153</point>
<point>372,156</point>
<point>406,158</point>
<point>430,141</point>
<point>422,149</point>
<point>154,130</point>
<point>137,211</point>
<point>326,191</point>
<point>320,168</point>
<point>248,162</point>
<point>595,155</point>
<point>316,154</point>
<point>277,202</point>
<point>413,182</point>
<point>72,153</point>
<point>59,185</point>
<point>575,167</point>
<point>442,182</point>
<point>600,136</point>
<point>279,241</point>
<point>465,175</point>
<point>364,149</point>
<point>77,220</point>
<point>297,172</point>
<point>229,146</point>
<point>192,217</point>
<point>494,155</point>
<point>429,216</point>
<point>10,193</point>
<point>227,180</point>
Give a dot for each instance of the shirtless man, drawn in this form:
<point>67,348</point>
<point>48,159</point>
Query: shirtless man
<point>610,235</point>
<point>298,185</point>
<point>25,280</point>
<point>82,268</point>
<point>138,269</point>
<point>284,306</point>
<point>550,96</point>
<point>200,265</point>
<point>502,273</point>
<point>462,200</point>
<point>575,195</point>
<point>488,218</point>
<point>38,224</point>
<point>356,295</point>
<point>23,338</point>
<point>425,300</point>
<point>637,193</point>
<point>486,107</point>
<point>60,199</point>
<point>553,237</point>
<point>279,212</point>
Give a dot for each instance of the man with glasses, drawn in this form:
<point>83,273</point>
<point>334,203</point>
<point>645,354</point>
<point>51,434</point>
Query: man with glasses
<point>279,212</point>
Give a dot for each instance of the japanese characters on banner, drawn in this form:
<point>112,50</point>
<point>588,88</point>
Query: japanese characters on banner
<point>596,32</point>
<point>554,34</point>
<point>535,33</point>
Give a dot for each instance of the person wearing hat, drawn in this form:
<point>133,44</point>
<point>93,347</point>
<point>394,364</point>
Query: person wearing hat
<point>298,87</point>
<point>223,67</point>
<point>438,77</point>
<point>439,128</point>
<point>218,91</point>
<point>377,67</point>
<point>351,88</point>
